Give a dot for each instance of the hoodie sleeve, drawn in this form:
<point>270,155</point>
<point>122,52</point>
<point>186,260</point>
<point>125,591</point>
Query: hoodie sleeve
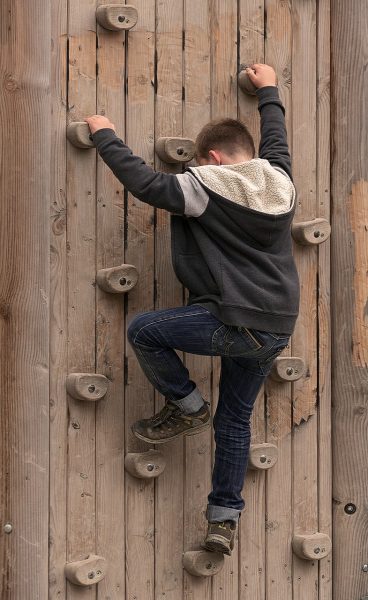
<point>161,190</point>
<point>273,145</point>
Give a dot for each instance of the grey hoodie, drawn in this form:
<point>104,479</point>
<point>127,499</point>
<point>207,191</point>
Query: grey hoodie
<point>230,225</point>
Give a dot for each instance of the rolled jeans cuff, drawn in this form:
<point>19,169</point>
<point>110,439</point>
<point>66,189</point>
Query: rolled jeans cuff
<point>218,514</point>
<point>190,403</point>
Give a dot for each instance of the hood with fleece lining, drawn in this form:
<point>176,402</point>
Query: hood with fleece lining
<point>254,183</point>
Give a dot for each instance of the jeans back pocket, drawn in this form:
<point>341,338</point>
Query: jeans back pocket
<point>230,340</point>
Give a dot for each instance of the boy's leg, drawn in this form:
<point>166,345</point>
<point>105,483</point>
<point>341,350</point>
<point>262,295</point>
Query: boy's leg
<point>240,383</point>
<point>154,336</point>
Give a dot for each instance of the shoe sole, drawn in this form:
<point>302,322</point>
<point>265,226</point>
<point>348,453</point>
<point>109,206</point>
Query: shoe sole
<point>216,545</point>
<point>192,431</point>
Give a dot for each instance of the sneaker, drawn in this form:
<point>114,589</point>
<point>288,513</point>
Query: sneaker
<point>170,423</point>
<point>220,537</point>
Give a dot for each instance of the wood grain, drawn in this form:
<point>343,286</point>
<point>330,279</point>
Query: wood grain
<point>304,442</point>
<point>110,480</point>
<point>24,297</point>
<point>349,288</point>
<point>58,304</point>
<point>139,240</point>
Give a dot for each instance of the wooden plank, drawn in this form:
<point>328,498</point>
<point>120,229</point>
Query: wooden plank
<point>349,295</point>
<point>197,456</point>
<point>58,305</point>
<point>139,223</point>
<point>279,401</point>
<point>24,297</point>
<point>324,304</point>
<point>252,531</point>
<point>224,26</point>
<point>305,497</point>
<point>81,247</point>
<point>110,326</point>
<point>169,293</point>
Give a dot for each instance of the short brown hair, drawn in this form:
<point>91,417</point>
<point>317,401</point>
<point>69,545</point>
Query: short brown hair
<point>229,135</point>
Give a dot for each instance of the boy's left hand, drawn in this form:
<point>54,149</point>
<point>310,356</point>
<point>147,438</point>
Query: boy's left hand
<point>97,122</point>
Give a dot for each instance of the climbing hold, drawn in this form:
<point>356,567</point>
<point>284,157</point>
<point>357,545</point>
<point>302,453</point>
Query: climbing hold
<point>117,17</point>
<point>311,232</point>
<point>203,563</point>
<point>174,149</point>
<point>86,572</point>
<point>262,456</point>
<point>312,546</point>
<point>287,368</point>
<point>79,134</point>
<point>117,280</point>
<point>244,81</point>
<point>87,386</point>
<point>145,465</point>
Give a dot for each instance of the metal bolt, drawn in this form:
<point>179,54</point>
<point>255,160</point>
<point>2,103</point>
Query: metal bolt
<point>180,151</point>
<point>150,467</point>
<point>317,234</point>
<point>91,388</point>
<point>209,565</point>
<point>122,281</point>
<point>121,18</point>
<point>350,508</point>
<point>317,550</point>
<point>8,528</point>
<point>91,574</point>
<point>365,568</point>
<point>98,572</point>
<point>289,371</point>
<point>129,282</point>
<point>262,458</point>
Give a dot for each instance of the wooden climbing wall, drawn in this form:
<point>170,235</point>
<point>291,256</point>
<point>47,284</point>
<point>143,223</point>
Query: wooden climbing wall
<point>65,493</point>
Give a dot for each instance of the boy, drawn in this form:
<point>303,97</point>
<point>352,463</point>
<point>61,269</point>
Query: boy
<point>231,247</point>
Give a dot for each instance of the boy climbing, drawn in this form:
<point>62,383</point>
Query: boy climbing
<point>231,247</point>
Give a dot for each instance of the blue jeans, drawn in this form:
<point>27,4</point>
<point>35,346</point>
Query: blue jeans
<point>246,359</point>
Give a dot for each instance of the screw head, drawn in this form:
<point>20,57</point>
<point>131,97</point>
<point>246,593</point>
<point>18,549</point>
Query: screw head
<point>91,388</point>
<point>180,151</point>
<point>262,458</point>
<point>350,508</point>
<point>365,568</point>
<point>121,18</point>
<point>317,234</point>
<point>122,281</point>
<point>91,575</point>
<point>317,550</point>
<point>8,528</point>
<point>150,467</point>
<point>289,371</point>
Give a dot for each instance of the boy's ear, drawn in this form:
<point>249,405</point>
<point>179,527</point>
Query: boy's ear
<point>215,156</point>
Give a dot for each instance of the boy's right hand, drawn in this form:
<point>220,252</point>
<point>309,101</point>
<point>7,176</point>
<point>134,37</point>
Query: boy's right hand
<point>261,75</point>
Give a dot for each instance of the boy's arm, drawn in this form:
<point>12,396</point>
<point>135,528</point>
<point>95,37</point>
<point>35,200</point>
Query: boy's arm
<point>273,145</point>
<point>158,189</point>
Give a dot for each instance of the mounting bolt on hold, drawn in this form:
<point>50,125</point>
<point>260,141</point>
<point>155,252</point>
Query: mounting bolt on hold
<point>312,232</point>
<point>117,280</point>
<point>350,508</point>
<point>365,568</point>
<point>117,17</point>
<point>8,528</point>
<point>174,150</point>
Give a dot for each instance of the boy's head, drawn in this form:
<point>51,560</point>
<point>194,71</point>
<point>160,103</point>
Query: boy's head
<point>224,142</point>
